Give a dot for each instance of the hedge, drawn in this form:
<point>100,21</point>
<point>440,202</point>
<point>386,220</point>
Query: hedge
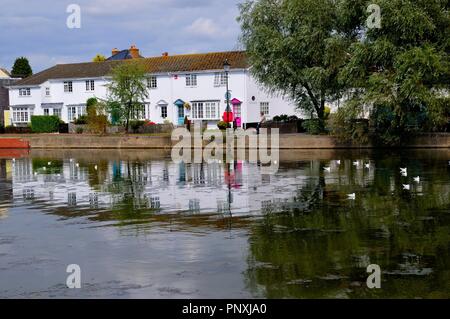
<point>45,124</point>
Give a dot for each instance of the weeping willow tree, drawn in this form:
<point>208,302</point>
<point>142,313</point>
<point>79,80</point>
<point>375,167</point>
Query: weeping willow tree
<point>298,47</point>
<point>322,51</point>
<point>128,89</point>
<point>400,70</point>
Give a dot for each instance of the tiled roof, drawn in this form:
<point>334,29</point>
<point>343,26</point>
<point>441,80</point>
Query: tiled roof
<point>163,64</point>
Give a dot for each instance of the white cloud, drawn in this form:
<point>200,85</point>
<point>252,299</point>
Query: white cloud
<point>203,27</point>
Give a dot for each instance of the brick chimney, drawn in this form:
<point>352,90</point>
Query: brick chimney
<point>114,51</point>
<point>165,54</point>
<point>134,52</point>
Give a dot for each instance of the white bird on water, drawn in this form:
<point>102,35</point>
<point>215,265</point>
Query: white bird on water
<point>71,160</point>
<point>13,160</point>
<point>49,163</point>
<point>367,165</point>
<point>327,169</point>
<point>356,164</point>
<point>407,187</point>
<point>351,196</point>
<point>95,167</point>
<point>404,171</point>
<point>338,162</point>
<point>417,179</point>
<point>77,165</point>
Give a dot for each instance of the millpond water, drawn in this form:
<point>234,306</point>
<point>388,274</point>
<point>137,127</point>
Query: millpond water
<point>141,226</point>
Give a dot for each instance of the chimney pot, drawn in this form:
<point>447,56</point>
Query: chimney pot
<point>134,52</point>
<point>114,51</point>
<point>165,54</point>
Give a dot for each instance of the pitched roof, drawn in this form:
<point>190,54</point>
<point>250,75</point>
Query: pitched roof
<point>4,73</point>
<point>162,64</point>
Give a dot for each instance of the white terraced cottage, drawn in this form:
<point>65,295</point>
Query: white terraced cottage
<point>173,82</point>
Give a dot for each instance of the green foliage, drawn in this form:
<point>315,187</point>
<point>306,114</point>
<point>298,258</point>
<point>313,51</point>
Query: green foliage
<point>222,125</point>
<point>116,112</point>
<point>401,71</point>
<point>313,126</point>
<point>79,130</point>
<point>80,120</point>
<point>136,125</point>
<point>2,129</point>
<point>45,124</point>
<point>128,89</point>
<point>42,166</point>
<point>99,58</point>
<point>96,118</point>
<point>298,47</point>
<point>21,68</point>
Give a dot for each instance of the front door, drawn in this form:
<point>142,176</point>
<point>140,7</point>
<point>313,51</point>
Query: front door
<point>180,115</point>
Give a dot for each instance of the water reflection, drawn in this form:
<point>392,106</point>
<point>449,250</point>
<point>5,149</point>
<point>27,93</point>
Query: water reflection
<point>303,236</point>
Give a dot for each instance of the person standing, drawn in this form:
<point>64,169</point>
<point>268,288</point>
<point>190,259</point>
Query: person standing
<point>262,120</point>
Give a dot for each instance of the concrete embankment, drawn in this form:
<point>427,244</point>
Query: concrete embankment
<point>286,141</point>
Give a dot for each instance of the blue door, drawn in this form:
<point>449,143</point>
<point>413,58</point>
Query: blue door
<point>180,115</point>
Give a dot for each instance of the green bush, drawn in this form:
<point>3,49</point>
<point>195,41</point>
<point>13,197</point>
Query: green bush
<point>222,125</point>
<point>45,124</point>
<point>2,129</point>
<point>81,120</point>
<point>312,126</point>
<point>79,130</point>
<point>136,125</point>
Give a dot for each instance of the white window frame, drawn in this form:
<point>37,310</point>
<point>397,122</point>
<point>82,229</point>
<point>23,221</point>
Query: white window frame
<point>152,82</point>
<point>21,114</point>
<point>191,80</point>
<point>90,85</point>
<point>68,86</point>
<point>164,113</point>
<point>264,107</point>
<point>205,110</point>
<point>47,110</point>
<point>25,92</point>
<point>220,79</point>
<point>47,91</point>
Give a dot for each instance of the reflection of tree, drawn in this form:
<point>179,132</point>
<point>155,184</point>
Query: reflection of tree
<point>128,193</point>
<point>321,247</point>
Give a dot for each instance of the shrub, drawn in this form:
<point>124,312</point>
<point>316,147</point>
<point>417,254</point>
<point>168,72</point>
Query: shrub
<point>136,125</point>
<point>79,130</point>
<point>312,126</point>
<point>45,124</point>
<point>2,129</point>
<point>222,125</point>
<point>81,120</point>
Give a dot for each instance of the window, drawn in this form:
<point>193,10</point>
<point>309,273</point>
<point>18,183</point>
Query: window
<point>71,113</point>
<point>164,111</point>
<point>21,115</point>
<point>90,85</point>
<point>208,110</point>
<point>46,112</point>
<point>25,92</point>
<point>68,86</point>
<point>220,79</point>
<point>152,82</point>
<point>47,91</point>
<point>264,108</point>
<point>57,112</point>
<point>237,110</point>
<point>191,80</point>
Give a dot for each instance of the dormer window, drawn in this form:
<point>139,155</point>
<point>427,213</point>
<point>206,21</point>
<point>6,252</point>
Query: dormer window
<point>25,92</point>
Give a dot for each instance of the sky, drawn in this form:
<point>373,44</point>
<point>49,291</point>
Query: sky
<point>37,29</point>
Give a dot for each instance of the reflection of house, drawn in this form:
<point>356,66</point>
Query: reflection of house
<point>192,85</point>
<point>5,188</point>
